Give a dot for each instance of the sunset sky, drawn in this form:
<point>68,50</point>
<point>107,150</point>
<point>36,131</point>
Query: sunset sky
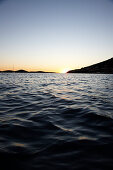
<point>55,35</point>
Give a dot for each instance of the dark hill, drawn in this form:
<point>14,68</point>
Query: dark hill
<point>105,67</point>
<point>21,71</point>
<point>8,71</point>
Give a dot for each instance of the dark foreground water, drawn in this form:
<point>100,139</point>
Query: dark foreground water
<point>56,121</point>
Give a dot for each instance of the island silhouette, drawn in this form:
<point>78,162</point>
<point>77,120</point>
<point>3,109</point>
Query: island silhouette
<point>24,71</point>
<point>104,67</point>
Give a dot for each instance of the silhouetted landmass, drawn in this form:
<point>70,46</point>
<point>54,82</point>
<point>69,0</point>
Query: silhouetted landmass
<point>11,71</point>
<point>41,72</point>
<point>105,67</point>
<point>7,71</point>
<point>23,71</point>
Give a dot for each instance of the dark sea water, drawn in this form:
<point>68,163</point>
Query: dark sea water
<point>56,121</point>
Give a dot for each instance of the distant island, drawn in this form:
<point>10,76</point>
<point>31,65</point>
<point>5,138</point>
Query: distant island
<point>105,67</point>
<point>23,71</point>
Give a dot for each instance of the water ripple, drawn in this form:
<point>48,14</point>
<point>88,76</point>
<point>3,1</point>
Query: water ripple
<point>56,121</point>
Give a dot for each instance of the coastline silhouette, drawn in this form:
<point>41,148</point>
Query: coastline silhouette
<point>105,67</point>
<point>23,71</point>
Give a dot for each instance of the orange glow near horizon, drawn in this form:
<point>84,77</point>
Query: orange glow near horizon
<point>65,70</point>
<point>57,70</point>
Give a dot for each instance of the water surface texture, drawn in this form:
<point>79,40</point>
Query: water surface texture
<point>56,121</point>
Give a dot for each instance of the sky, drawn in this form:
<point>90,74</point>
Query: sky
<point>55,35</point>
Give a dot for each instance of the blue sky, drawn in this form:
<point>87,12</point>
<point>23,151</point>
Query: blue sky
<point>53,35</point>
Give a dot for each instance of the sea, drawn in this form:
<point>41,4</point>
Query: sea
<point>52,121</point>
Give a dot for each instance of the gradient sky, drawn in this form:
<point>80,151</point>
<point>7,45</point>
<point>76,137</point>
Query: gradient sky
<point>52,35</point>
